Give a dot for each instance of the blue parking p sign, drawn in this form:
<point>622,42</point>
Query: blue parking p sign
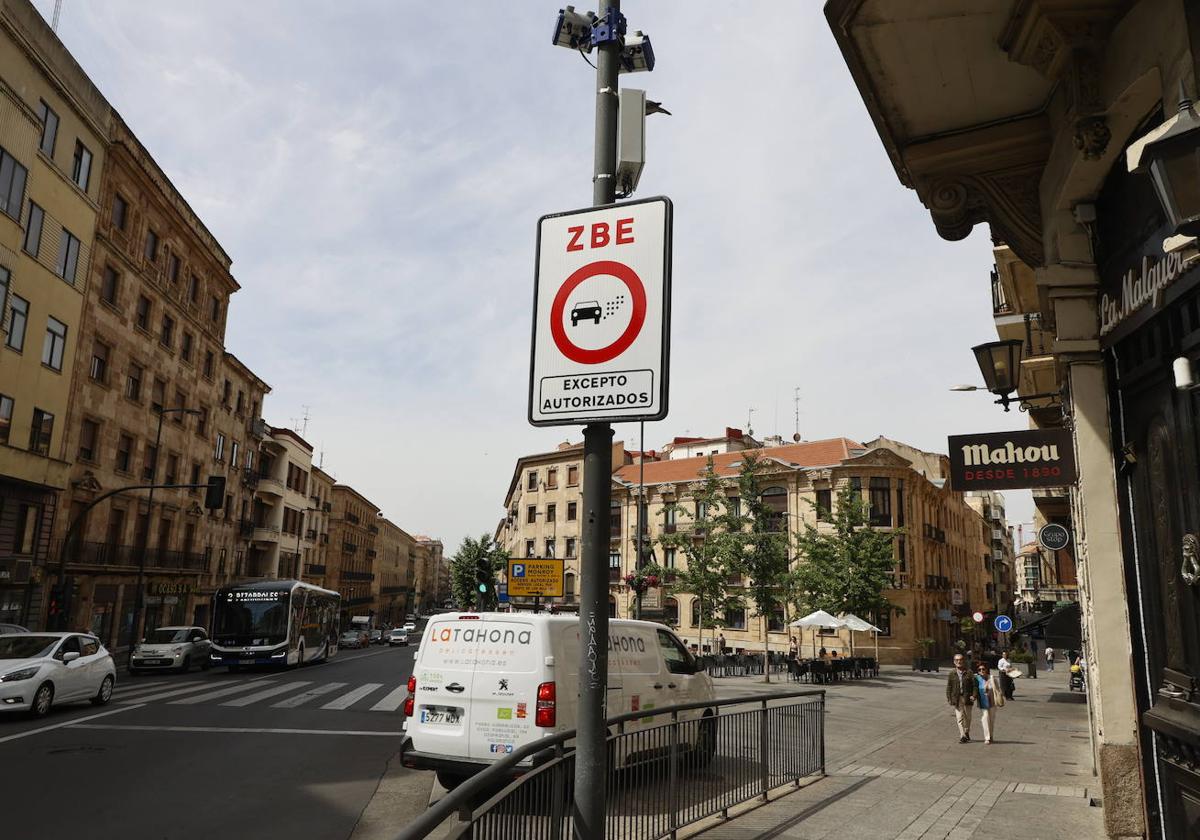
<point>518,570</point>
<point>1003,623</point>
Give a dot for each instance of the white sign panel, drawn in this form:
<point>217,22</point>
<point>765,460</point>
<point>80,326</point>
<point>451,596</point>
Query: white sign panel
<point>601,315</point>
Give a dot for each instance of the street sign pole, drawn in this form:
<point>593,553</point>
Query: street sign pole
<point>591,773</point>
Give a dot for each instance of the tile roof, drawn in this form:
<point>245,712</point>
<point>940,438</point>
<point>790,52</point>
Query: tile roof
<point>817,453</point>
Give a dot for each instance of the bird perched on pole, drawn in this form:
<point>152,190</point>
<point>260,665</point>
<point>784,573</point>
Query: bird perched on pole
<point>653,107</point>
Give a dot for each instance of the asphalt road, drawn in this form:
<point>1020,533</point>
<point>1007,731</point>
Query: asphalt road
<point>266,754</point>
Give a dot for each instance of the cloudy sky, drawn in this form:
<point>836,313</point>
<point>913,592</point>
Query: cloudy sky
<point>376,170</point>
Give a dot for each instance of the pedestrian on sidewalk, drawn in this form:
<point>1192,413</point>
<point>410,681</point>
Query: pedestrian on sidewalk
<point>1003,666</point>
<point>991,698</point>
<point>721,643</point>
<point>1049,658</point>
<point>960,694</point>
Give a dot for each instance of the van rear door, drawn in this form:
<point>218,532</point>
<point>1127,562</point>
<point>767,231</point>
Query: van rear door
<point>510,665</point>
<point>445,671</point>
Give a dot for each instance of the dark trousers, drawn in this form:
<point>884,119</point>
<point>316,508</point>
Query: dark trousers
<point>1006,683</point>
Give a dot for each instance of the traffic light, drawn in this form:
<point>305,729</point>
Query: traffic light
<point>214,494</point>
<point>483,577</point>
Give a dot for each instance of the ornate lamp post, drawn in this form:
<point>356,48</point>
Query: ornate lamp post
<point>1171,154</point>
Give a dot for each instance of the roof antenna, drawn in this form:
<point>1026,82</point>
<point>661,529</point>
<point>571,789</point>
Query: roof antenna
<point>796,399</point>
<point>749,421</point>
<point>57,14</point>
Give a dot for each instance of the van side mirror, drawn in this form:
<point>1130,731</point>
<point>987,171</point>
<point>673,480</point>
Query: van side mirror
<point>700,665</point>
<point>70,656</point>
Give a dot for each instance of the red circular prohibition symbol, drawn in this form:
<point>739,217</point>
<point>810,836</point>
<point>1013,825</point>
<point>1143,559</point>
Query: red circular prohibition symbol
<point>637,294</point>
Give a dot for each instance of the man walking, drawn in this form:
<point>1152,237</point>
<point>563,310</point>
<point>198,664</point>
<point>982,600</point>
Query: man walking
<point>960,693</point>
<point>1003,666</point>
<point>1049,658</point>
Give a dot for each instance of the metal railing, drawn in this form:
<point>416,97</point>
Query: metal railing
<point>674,767</point>
<point>129,556</point>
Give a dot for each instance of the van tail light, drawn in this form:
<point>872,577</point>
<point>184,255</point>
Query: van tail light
<point>411,699</point>
<point>545,714</point>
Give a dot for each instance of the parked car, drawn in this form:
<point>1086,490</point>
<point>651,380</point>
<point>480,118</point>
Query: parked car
<point>6,629</point>
<point>527,678</point>
<point>377,637</point>
<point>397,636</point>
<point>352,639</point>
<point>38,670</point>
<point>410,627</point>
<point>172,648</point>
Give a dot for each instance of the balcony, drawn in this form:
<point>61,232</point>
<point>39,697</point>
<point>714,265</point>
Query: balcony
<point>997,535</point>
<point>314,569</point>
<point>352,518</point>
<point>310,535</point>
<point>264,534</point>
<point>259,428</point>
<point>245,529</point>
<point>614,574</point>
<point>349,547</point>
<point>372,529</point>
<point>372,553</point>
<point>269,486</point>
<point>129,556</point>
<point>392,590</point>
<point>358,576</point>
<point>1000,304</point>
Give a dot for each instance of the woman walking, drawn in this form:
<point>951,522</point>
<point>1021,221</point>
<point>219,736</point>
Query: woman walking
<point>990,697</point>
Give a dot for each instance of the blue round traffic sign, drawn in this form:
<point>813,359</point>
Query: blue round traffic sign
<point>1003,623</point>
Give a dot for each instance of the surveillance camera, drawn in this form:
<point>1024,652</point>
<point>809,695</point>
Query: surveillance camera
<point>637,55</point>
<point>573,30</point>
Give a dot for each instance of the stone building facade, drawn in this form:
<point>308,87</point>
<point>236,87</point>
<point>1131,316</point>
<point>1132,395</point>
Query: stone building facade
<point>352,557</point>
<point>317,526</point>
<point>432,574</point>
<point>395,567</point>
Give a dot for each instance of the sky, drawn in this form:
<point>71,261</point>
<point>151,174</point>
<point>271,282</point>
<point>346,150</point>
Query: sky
<point>376,169</point>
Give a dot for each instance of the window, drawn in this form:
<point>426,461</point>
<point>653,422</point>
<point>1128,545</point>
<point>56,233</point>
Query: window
<point>4,276</point>
<point>668,558</point>
<point>55,343</point>
<point>180,402</point>
<point>149,462</point>
<point>775,500</point>
<point>185,346</point>
<point>208,363</point>
<point>158,395</point>
<point>734,504</point>
<point>614,565</point>
<point>40,432</point>
<point>173,266</point>
<point>120,211</point>
<point>99,367</point>
<point>240,405</point>
<point>824,504</point>
<point>166,337</point>
<point>572,476</point>
<point>12,185</point>
<point>572,511</point>
<point>696,615</point>
<point>202,422</point>
<point>669,514</point>
<point>735,619</point>
<point>124,452</point>
<point>49,128</point>
<point>151,245</point>
<point>6,412</point>
<point>552,478</point>
<point>172,476</point>
<point>569,588</point>
<point>133,382</point>
<point>528,548</point>
<point>33,230</point>
<point>880,501</point>
<point>81,166</point>
<point>109,285</point>
<point>701,511</point>
<point>142,318</point>
<point>89,433</point>
<point>570,546</point>
<point>68,257</point>
<point>531,514</point>
<point>225,394</point>
<point>677,659</point>
<point>549,548</point>
<point>193,288</point>
<point>856,485</point>
<point>671,612</point>
<point>195,476</point>
<point>219,453</point>
<point>552,512</point>
<point>214,311</point>
<point>233,453</point>
<point>902,553</point>
<point>16,326</point>
<point>775,621</point>
<point>900,503</point>
<point>531,480</point>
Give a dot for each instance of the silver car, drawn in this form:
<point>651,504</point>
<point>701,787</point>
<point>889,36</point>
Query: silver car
<point>172,648</point>
<point>38,670</point>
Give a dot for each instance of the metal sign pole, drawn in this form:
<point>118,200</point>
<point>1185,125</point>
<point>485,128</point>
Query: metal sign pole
<point>591,772</point>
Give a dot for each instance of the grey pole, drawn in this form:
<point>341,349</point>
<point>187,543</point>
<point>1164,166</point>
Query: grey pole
<point>591,772</point>
<point>141,576</point>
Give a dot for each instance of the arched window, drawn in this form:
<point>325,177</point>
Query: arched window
<point>776,501</point>
<point>612,607</point>
<point>695,612</point>
<point>671,612</point>
<point>569,588</point>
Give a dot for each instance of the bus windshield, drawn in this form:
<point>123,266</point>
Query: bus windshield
<point>251,618</point>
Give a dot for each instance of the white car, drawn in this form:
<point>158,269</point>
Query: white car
<point>485,684</point>
<point>38,670</point>
<point>172,648</point>
<point>410,627</point>
<point>397,636</point>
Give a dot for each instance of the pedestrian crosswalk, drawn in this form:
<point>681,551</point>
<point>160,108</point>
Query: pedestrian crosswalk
<point>273,693</point>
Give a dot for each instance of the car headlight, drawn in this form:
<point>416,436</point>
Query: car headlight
<point>23,674</point>
<point>277,655</point>
<point>177,650</point>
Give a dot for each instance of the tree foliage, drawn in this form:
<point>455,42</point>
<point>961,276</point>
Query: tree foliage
<point>463,581</point>
<point>846,570</point>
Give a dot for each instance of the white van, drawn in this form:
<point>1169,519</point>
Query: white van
<point>484,684</point>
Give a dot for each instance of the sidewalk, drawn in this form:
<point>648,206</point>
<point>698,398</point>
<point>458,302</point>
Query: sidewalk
<point>896,769</point>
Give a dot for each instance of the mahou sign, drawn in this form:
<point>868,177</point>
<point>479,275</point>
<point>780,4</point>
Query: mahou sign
<point>1012,460</point>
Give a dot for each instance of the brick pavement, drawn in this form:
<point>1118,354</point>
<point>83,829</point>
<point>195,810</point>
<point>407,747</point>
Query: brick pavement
<point>897,771</point>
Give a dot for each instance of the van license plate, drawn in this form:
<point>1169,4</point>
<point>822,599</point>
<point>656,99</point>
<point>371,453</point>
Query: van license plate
<point>440,714</point>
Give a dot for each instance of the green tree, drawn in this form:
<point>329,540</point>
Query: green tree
<point>847,570</point>
<point>463,582</point>
<point>709,545</point>
<point>763,558</point>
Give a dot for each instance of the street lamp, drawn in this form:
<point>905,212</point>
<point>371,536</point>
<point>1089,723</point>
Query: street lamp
<point>1171,154</point>
<point>1000,364</point>
<point>141,595</point>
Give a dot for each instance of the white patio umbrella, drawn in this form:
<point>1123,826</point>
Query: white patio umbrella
<point>820,618</point>
<point>862,626</point>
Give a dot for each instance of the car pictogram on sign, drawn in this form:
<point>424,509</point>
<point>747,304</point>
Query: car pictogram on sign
<point>585,310</point>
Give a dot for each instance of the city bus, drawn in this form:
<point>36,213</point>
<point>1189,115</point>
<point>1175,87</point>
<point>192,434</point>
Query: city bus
<point>274,622</point>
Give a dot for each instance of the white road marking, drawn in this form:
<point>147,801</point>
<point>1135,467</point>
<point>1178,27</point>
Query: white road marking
<point>162,695</point>
<point>140,687</point>
<point>66,723</point>
<point>392,701</point>
<point>232,729</point>
<point>301,699</point>
<point>352,697</point>
<point>265,693</point>
<point>213,695</point>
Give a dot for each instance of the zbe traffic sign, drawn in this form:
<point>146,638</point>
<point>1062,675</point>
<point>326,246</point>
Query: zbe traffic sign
<point>601,315</point>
